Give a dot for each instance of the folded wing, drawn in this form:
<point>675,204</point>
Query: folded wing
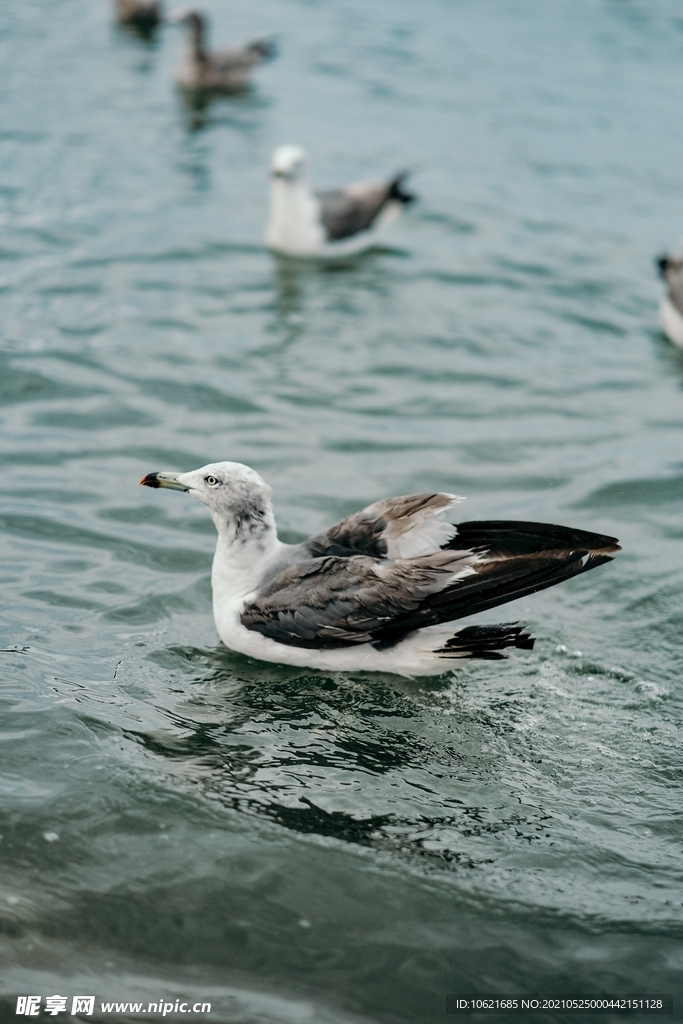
<point>341,600</point>
<point>403,527</point>
<point>242,58</point>
<point>346,212</point>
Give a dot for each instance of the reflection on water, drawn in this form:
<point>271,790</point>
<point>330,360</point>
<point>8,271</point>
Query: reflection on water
<point>241,112</point>
<point>430,774</point>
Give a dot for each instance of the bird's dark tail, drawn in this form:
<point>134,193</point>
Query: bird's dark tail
<point>486,642</point>
<point>521,559</point>
<point>503,538</point>
<point>516,559</point>
<point>396,190</point>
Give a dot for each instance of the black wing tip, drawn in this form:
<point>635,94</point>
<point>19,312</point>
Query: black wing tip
<point>486,642</point>
<point>514,537</point>
<point>594,559</point>
<point>396,190</point>
<point>607,546</point>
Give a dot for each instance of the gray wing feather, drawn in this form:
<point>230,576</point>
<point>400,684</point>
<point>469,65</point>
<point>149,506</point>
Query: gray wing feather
<point>339,602</point>
<point>346,212</point>
<point>241,58</point>
<point>394,527</point>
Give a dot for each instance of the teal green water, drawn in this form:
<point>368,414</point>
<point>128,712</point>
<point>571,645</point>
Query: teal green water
<point>295,847</point>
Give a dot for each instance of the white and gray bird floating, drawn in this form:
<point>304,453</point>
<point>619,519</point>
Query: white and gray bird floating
<point>671,306</point>
<point>378,591</point>
<point>338,222</point>
<point>227,71</point>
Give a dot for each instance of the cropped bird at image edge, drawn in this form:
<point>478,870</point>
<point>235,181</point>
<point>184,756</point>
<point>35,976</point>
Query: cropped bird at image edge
<point>670,268</point>
<point>377,591</point>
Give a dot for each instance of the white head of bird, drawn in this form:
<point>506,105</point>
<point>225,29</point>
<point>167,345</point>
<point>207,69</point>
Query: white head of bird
<point>238,499</point>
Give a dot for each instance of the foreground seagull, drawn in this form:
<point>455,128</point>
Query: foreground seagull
<point>377,591</point>
<point>143,15</point>
<point>227,71</point>
<point>671,307</point>
<point>338,222</point>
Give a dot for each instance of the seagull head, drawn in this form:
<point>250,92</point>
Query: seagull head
<point>238,499</point>
<point>669,262</point>
<point>288,162</point>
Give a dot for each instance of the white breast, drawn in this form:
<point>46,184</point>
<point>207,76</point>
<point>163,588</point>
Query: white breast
<point>672,322</point>
<point>294,225</point>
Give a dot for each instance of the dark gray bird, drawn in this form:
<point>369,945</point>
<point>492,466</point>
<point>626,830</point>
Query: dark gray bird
<point>143,15</point>
<point>332,223</point>
<point>379,590</point>
<point>202,71</point>
<point>671,306</point>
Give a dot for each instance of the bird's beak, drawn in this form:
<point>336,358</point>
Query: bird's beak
<point>169,480</point>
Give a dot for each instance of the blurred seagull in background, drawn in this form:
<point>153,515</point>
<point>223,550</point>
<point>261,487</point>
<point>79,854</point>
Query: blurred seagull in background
<point>337,222</point>
<point>143,15</point>
<point>378,591</point>
<point>224,72</point>
<point>671,306</point>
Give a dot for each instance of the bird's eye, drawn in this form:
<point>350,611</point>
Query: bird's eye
<point>212,481</point>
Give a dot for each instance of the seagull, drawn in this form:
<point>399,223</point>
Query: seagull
<point>227,71</point>
<point>143,15</point>
<point>338,222</point>
<point>671,306</point>
<point>378,591</point>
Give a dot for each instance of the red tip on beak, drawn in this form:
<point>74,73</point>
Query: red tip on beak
<point>151,480</point>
